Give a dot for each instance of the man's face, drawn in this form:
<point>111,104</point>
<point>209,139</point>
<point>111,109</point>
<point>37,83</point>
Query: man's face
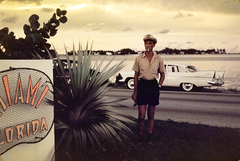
<point>149,45</point>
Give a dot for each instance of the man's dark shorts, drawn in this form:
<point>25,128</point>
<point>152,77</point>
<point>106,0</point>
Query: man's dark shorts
<point>147,92</point>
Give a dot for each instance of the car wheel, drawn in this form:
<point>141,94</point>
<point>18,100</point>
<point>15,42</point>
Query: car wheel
<point>130,83</point>
<point>187,86</point>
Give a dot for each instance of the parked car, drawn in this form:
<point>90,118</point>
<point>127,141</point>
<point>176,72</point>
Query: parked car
<point>186,76</point>
<point>66,70</point>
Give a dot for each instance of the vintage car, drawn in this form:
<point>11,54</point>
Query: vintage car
<point>66,70</point>
<point>186,76</point>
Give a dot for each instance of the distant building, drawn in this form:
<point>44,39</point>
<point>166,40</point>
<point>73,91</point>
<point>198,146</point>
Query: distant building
<point>109,53</point>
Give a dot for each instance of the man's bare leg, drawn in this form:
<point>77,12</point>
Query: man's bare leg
<point>150,113</point>
<point>141,118</point>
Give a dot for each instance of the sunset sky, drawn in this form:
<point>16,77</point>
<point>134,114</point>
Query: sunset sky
<point>117,24</point>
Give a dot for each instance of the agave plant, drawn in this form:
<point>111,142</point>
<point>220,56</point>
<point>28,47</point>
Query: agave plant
<point>86,119</point>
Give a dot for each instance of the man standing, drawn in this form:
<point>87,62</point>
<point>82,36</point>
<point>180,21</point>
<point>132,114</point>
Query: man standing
<point>147,67</point>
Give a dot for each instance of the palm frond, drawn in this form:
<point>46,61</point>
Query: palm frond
<point>84,116</point>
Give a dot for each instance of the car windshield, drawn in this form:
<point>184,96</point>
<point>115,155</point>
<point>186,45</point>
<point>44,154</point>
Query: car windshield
<point>191,68</point>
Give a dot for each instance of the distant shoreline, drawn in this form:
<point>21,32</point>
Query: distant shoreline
<point>164,54</point>
<point>185,57</point>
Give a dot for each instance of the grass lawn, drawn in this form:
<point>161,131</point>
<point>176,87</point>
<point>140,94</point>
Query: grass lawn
<point>175,141</point>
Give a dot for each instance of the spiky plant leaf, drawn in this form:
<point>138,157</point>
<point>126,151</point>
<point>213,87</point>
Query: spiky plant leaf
<point>86,118</point>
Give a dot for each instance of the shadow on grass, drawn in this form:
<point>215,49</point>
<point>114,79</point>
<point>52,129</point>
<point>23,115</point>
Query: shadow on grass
<point>175,141</point>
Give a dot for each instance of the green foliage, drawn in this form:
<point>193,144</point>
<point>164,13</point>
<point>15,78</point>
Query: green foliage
<point>191,51</point>
<point>35,42</point>
<point>126,51</point>
<point>84,118</point>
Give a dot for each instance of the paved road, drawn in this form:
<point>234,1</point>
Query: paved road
<point>210,108</point>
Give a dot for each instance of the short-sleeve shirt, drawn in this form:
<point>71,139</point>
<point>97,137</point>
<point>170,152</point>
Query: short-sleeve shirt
<point>147,70</point>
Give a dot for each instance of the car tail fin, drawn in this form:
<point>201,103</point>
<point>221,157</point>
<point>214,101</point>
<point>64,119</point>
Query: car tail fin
<point>219,74</point>
<point>214,75</point>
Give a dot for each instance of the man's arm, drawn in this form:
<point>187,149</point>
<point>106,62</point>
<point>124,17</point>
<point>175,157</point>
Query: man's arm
<point>134,95</point>
<point>162,74</point>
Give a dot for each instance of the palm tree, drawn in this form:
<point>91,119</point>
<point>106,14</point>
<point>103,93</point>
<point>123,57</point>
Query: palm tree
<point>85,118</point>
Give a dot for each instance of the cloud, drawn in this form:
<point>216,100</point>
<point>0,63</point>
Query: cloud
<point>181,21</point>
<point>224,42</point>
<point>38,2</point>
<point>12,19</point>
<point>189,42</point>
<point>223,6</point>
<point>181,15</point>
<point>127,29</point>
<point>211,6</point>
<point>47,9</point>
<point>164,31</point>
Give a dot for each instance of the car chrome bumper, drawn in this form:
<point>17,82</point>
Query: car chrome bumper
<point>216,82</point>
